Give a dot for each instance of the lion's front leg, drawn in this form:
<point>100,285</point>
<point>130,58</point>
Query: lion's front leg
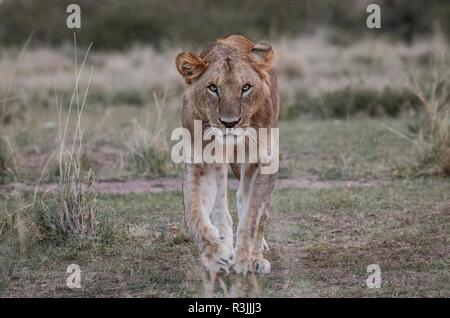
<point>220,214</point>
<point>254,198</point>
<point>207,217</point>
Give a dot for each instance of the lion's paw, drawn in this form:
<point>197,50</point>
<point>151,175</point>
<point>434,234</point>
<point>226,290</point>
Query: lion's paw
<point>261,266</point>
<point>243,265</point>
<point>218,258</point>
<point>251,264</point>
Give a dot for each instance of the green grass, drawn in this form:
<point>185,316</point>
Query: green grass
<point>321,243</point>
<point>353,148</point>
<point>357,148</point>
<point>350,101</point>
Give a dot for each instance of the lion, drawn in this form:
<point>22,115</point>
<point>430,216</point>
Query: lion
<point>231,84</point>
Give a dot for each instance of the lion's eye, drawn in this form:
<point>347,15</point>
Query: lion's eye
<point>213,88</point>
<point>246,88</point>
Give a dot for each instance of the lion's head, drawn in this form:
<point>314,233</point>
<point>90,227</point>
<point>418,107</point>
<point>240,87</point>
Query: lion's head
<point>229,82</point>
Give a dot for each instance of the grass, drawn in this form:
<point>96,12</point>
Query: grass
<point>429,134</point>
<point>356,148</point>
<point>353,148</point>
<point>435,133</point>
<point>350,101</point>
<point>69,214</point>
<point>6,159</point>
<point>321,243</point>
<point>148,146</point>
<point>317,79</point>
<point>72,211</point>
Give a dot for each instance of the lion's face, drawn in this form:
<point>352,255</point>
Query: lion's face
<point>228,86</point>
<point>230,91</point>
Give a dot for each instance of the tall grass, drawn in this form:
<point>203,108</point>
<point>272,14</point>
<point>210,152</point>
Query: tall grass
<point>8,112</point>
<point>6,224</point>
<point>72,212</point>
<point>148,147</point>
<point>431,138</point>
<point>434,135</point>
<point>8,165</point>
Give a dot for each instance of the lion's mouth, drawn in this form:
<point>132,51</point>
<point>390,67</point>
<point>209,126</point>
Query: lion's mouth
<point>225,135</point>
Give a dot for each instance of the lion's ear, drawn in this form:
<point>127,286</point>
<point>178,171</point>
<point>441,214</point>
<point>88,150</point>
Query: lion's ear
<point>262,56</point>
<point>190,66</point>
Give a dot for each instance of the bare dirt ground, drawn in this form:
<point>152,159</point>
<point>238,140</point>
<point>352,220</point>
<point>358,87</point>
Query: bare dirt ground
<point>174,184</point>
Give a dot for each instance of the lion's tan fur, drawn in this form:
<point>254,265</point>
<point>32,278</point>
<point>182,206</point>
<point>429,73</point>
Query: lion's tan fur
<point>229,62</point>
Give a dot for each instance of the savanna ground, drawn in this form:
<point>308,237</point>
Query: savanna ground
<point>360,183</point>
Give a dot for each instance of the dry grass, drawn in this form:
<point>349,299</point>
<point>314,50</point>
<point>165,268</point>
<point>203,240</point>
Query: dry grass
<point>431,137</point>
<point>76,198</point>
<point>338,81</point>
<point>147,145</point>
<point>8,113</point>
<point>434,137</point>
<point>309,63</point>
<point>72,211</point>
<point>8,165</point>
<point>316,66</point>
<point>6,224</point>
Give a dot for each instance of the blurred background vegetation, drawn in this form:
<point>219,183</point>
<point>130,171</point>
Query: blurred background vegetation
<point>117,24</point>
<point>331,69</point>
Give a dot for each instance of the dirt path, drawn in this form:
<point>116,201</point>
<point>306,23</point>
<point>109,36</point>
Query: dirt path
<point>174,184</point>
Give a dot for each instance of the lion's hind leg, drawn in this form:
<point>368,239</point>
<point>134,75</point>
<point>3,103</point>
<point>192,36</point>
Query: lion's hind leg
<point>253,199</point>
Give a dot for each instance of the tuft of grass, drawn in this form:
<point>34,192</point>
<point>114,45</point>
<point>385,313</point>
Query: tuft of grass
<point>72,211</point>
<point>434,135</point>
<point>431,138</point>
<point>8,166</point>
<point>148,147</point>
<point>76,207</point>
<point>6,225</point>
<point>5,158</point>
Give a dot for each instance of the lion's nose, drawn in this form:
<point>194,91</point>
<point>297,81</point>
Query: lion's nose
<point>229,122</point>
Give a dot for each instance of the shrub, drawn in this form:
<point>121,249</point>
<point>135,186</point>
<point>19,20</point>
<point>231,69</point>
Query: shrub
<point>350,101</point>
<point>128,97</point>
<point>117,24</point>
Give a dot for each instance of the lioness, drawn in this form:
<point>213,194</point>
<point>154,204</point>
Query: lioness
<point>231,84</point>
